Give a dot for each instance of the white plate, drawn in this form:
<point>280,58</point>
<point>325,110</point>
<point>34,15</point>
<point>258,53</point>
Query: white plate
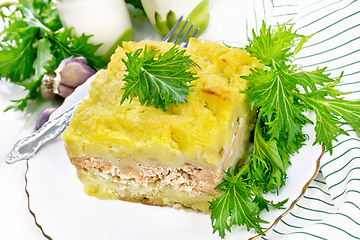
<point>331,208</point>
<point>64,211</point>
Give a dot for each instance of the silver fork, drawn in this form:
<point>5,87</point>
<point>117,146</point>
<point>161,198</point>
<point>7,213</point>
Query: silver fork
<point>181,41</point>
<point>27,147</point>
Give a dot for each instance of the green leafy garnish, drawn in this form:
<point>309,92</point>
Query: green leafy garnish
<point>34,42</point>
<point>236,202</point>
<point>274,91</point>
<point>158,80</point>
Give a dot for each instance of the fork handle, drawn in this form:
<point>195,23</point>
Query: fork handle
<point>26,147</point>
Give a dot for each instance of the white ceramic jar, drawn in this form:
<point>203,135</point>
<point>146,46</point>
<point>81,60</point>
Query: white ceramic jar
<point>107,20</point>
<point>164,13</point>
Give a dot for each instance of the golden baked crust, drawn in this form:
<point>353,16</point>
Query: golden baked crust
<point>131,144</point>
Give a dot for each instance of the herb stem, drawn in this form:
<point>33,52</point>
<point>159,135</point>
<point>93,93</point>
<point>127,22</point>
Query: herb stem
<point>243,168</point>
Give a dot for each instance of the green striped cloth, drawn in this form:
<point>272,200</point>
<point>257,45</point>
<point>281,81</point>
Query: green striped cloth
<point>330,208</point>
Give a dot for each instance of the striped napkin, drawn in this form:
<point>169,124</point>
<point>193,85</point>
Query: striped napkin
<point>330,208</point>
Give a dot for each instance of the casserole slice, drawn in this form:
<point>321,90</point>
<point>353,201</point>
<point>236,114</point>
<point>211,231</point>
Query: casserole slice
<point>177,157</point>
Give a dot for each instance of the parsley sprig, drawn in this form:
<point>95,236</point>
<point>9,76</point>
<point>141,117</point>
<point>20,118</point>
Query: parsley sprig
<point>158,79</point>
<point>34,42</point>
<point>274,91</point>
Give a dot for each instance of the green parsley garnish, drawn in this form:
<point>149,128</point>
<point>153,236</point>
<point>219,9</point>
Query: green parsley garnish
<point>34,42</point>
<point>158,80</point>
<point>274,91</point>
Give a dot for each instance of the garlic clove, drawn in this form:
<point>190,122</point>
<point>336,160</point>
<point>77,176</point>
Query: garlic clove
<point>44,116</point>
<point>65,91</point>
<point>73,71</point>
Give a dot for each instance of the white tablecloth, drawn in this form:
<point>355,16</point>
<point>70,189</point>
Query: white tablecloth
<point>16,222</point>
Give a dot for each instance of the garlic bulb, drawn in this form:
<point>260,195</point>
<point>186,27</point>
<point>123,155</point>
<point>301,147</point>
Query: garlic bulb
<point>47,87</point>
<point>71,73</point>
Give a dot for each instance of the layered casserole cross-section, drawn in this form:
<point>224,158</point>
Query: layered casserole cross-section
<point>176,157</point>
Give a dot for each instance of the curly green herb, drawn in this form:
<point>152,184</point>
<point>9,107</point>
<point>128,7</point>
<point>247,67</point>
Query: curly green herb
<point>34,42</point>
<point>274,91</point>
<point>158,81</point>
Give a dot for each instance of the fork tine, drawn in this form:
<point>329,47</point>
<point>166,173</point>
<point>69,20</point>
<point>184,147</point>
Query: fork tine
<point>180,31</point>
<point>181,41</point>
<point>192,36</point>
<point>195,32</point>
<point>186,34</point>
<point>172,31</point>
